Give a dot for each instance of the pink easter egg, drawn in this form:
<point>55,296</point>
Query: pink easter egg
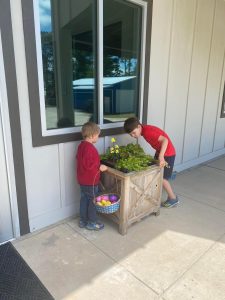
<point>98,199</point>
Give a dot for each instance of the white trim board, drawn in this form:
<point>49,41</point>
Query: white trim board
<point>8,147</point>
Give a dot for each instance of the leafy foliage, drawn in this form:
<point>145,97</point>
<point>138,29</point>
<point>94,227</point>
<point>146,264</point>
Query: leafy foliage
<point>129,158</point>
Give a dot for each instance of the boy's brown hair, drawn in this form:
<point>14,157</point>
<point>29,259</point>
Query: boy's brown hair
<point>90,129</point>
<point>130,124</point>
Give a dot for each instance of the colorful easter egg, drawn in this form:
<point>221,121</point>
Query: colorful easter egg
<point>98,199</point>
<point>113,198</point>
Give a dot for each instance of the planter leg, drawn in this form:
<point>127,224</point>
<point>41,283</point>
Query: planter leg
<point>123,229</point>
<point>124,206</point>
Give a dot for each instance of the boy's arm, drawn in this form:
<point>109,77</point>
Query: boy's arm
<point>164,142</point>
<point>93,163</point>
<point>90,159</point>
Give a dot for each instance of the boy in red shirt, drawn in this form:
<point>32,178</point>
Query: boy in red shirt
<point>165,152</point>
<point>88,176</point>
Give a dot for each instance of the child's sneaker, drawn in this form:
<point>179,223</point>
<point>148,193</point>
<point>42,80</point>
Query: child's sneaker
<point>95,226</point>
<point>170,203</point>
<point>82,224</point>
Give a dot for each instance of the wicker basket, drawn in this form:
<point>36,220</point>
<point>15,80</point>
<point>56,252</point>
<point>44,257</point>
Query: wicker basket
<point>109,209</point>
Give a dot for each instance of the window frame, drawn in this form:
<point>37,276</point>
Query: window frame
<point>40,134</point>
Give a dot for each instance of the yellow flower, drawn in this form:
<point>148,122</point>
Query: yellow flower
<point>116,146</point>
<point>113,140</point>
<point>117,151</point>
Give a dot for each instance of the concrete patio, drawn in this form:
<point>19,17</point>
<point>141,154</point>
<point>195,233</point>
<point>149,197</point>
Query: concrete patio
<point>179,255</point>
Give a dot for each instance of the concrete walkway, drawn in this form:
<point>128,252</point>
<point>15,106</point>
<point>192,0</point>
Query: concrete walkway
<point>179,255</point>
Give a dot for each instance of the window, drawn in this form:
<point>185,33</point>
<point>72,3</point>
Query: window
<point>85,59</point>
<point>222,115</point>
<point>90,62</point>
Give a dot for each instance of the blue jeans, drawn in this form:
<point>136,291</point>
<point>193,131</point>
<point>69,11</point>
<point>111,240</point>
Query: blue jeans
<point>87,207</point>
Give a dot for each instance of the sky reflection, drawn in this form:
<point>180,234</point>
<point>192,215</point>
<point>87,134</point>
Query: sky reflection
<point>45,15</point>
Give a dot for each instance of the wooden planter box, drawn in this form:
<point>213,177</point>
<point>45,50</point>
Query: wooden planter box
<point>140,194</point>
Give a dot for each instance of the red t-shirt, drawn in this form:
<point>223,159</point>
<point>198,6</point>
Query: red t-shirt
<point>88,163</point>
<point>151,135</point>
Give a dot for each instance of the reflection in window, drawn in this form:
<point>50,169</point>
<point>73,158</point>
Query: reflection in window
<point>121,46</point>
<point>69,56</point>
<point>48,62</point>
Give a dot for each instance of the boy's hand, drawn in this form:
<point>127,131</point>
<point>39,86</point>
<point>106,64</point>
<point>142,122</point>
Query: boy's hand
<point>103,168</point>
<point>162,162</point>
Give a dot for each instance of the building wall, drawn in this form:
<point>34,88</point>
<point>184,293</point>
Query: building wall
<point>186,80</point>
<point>187,76</point>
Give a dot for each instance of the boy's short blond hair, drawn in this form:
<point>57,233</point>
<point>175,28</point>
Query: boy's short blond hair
<point>90,129</point>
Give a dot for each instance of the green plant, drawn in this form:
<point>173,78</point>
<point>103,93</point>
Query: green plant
<point>128,158</point>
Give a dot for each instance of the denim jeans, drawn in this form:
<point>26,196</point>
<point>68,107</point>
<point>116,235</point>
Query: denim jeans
<point>87,207</point>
